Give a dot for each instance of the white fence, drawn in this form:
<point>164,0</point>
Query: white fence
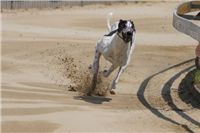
<point>11,4</point>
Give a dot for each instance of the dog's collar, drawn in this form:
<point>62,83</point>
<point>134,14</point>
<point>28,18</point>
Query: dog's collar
<point>120,37</point>
<point>114,31</point>
<point>123,39</point>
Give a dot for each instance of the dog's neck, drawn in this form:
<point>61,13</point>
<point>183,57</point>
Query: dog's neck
<point>118,38</point>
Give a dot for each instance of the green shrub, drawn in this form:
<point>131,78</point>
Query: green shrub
<point>196,76</point>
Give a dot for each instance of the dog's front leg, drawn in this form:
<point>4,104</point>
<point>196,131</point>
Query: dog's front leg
<point>121,69</point>
<point>96,70</point>
<point>115,81</point>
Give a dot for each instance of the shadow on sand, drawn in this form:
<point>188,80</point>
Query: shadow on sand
<point>166,94</point>
<point>93,99</point>
<point>140,94</point>
<point>187,92</point>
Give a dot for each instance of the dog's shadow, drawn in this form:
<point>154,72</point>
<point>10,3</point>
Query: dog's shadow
<point>93,99</point>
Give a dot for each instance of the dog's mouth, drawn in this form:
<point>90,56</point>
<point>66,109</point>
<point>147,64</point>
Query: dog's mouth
<point>127,37</point>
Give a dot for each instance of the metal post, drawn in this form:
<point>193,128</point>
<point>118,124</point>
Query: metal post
<point>197,60</point>
<point>11,5</point>
<point>81,3</point>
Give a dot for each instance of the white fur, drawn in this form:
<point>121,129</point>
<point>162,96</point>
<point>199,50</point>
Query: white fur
<point>115,50</point>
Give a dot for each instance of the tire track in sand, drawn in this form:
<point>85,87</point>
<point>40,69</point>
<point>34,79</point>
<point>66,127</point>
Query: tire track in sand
<point>163,104</point>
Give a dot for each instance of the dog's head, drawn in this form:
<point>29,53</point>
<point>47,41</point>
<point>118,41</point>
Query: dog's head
<point>126,28</point>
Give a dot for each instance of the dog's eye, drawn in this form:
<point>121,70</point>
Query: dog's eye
<point>122,26</point>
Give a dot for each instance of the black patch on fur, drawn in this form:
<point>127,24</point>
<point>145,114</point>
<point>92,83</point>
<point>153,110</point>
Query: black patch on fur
<point>133,26</point>
<point>111,33</point>
<point>121,25</point>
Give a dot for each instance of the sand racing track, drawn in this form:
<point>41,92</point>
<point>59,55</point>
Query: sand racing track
<point>46,51</point>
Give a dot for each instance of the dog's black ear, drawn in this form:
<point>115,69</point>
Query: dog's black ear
<point>133,26</point>
<point>121,25</point>
<point>120,21</point>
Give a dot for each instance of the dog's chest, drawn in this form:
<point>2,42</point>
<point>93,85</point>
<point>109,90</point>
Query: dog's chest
<point>116,51</point>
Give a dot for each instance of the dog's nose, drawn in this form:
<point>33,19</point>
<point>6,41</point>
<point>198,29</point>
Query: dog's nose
<point>129,33</point>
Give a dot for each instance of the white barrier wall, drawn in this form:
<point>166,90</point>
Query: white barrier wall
<point>185,25</point>
<point>9,4</point>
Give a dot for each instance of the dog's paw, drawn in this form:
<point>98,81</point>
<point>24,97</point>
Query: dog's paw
<point>112,92</point>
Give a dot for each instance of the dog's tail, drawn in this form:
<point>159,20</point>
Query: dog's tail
<point>108,21</point>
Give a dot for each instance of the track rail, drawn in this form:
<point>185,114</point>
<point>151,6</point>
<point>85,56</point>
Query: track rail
<point>183,22</point>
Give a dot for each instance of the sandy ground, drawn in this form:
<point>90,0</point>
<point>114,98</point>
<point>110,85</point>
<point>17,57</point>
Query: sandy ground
<point>41,48</point>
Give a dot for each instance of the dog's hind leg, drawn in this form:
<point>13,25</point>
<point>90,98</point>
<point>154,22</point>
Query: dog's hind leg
<point>106,73</point>
<point>96,70</point>
<point>92,66</point>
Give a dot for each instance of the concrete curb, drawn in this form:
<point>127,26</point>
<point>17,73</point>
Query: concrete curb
<point>183,24</point>
<point>196,92</point>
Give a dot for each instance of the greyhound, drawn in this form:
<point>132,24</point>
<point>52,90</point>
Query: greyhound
<point>116,47</point>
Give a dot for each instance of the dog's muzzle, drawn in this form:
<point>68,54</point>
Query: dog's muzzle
<point>127,37</point>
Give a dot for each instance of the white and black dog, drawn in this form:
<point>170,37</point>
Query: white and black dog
<point>116,47</point>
